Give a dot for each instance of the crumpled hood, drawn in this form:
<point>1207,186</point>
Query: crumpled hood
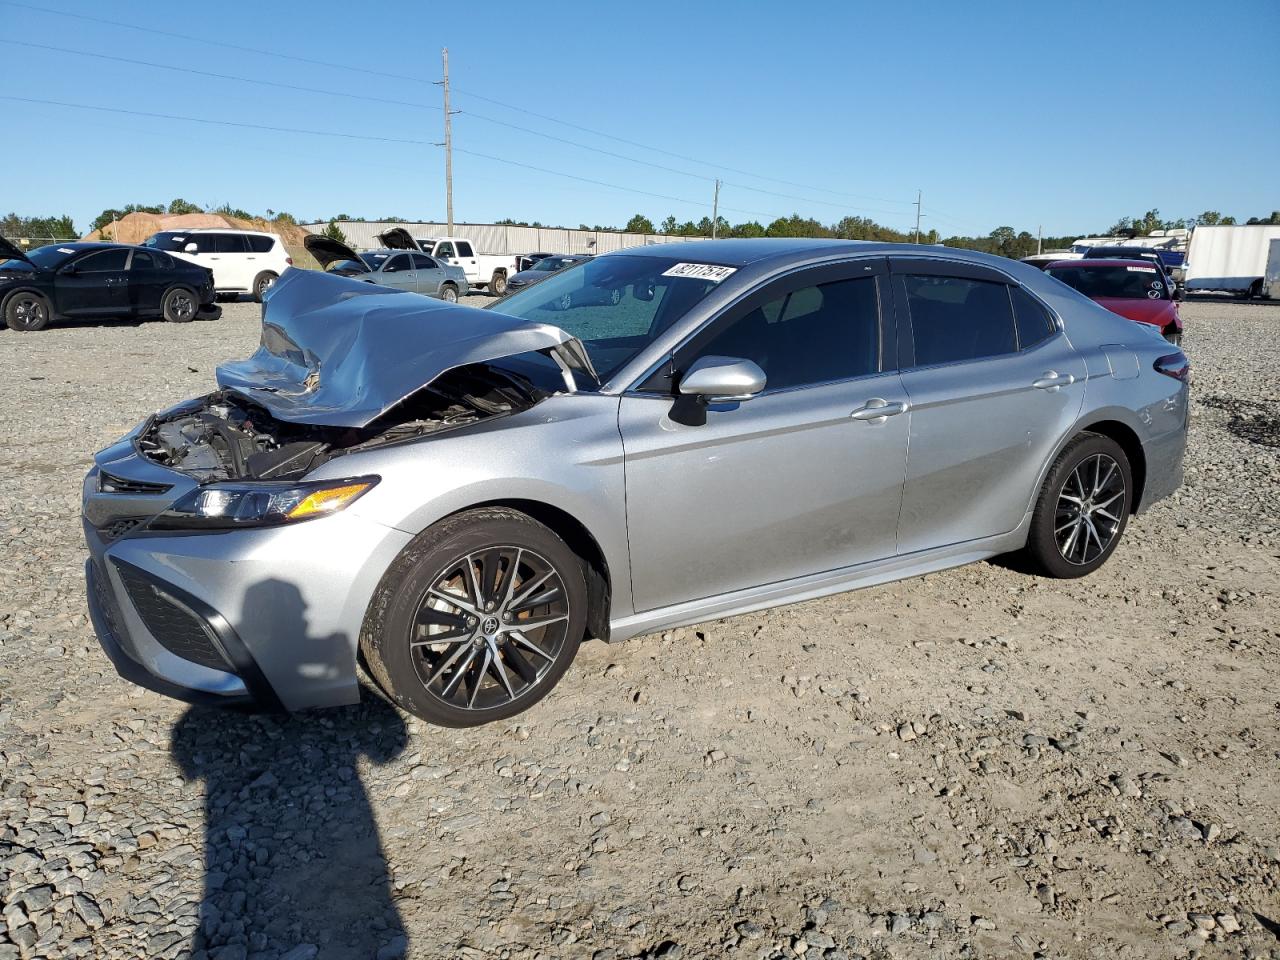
<point>339,352</point>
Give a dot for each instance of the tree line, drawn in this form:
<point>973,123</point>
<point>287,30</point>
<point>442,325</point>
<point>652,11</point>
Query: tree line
<point>1004,240</point>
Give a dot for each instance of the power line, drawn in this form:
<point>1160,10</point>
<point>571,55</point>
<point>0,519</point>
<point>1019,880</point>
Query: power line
<point>397,76</point>
<point>360,136</point>
<point>425,106</point>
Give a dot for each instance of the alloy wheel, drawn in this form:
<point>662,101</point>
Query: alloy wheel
<point>183,305</point>
<point>489,628</point>
<point>1090,507</point>
<point>29,312</point>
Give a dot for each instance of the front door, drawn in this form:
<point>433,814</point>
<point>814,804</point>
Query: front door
<point>797,480</point>
<point>993,385</point>
<point>96,285</point>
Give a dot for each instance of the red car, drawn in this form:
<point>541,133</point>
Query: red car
<point>1135,289</point>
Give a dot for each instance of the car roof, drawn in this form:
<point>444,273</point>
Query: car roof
<point>256,233</point>
<point>1102,262</point>
<point>741,253</point>
<point>79,245</point>
<point>1109,250</point>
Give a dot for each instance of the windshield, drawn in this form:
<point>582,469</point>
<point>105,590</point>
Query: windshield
<point>46,258</point>
<point>354,266</point>
<point>374,260</point>
<point>616,305</point>
<point>551,264</point>
<point>1120,283</point>
<point>167,241</point>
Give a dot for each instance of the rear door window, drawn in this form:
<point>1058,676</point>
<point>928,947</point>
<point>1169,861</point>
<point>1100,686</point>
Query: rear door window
<point>464,249</point>
<point>957,318</point>
<point>228,243</point>
<point>1033,321</point>
<point>142,261</point>
<point>422,262</point>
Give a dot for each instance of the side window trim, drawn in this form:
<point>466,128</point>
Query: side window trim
<point>659,379</point>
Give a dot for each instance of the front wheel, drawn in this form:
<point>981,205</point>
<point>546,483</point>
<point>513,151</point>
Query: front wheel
<point>27,311</point>
<point>179,305</point>
<point>477,619</point>
<point>449,293</point>
<point>1083,508</point>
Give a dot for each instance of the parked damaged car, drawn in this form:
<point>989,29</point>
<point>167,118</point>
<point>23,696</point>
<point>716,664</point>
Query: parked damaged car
<point>401,269</point>
<point>1135,289</point>
<point>545,267</point>
<point>100,280</point>
<point>456,498</point>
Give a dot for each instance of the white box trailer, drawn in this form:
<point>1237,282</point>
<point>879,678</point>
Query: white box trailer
<point>1271,282</point>
<point>1230,258</point>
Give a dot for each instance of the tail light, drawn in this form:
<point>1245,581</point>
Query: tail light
<point>289,261</point>
<point>1174,365</point>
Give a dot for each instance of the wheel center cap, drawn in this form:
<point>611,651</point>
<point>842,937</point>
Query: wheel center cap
<point>489,626</point>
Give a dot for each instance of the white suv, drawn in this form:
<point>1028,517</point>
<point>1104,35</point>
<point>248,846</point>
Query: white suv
<point>242,261</point>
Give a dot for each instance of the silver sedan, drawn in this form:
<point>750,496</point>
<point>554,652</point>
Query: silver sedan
<point>457,498</point>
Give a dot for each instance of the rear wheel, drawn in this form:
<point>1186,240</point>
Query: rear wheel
<point>477,619</point>
<point>1083,508</point>
<point>498,284</point>
<point>449,293</point>
<point>27,311</point>
<point>261,283</point>
<point>179,305</point>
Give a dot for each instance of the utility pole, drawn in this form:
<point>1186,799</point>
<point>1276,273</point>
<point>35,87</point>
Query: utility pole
<point>1039,238</point>
<point>715,211</point>
<point>448,143</point>
<point>919,196</point>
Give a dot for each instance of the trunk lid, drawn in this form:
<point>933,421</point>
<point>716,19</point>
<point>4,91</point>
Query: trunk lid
<point>326,250</point>
<point>1159,313</point>
<point>398,238</point>
<point>339,352</point>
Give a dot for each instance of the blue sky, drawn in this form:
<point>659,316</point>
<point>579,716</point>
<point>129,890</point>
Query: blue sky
<point>1066,115</point>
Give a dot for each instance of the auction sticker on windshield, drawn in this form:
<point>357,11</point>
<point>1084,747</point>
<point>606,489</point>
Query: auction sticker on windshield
<point>699,271</point>
<point>1141,269</point>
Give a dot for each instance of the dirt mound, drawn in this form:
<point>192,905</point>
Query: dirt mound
<point>136,227</point>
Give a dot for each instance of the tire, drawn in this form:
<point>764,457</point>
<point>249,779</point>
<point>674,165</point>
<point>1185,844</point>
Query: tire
<point>1254,291</point>
<point>449,293</point>
<point>261,283</point>
<point>1092,474</point>
<point>179,305</point>
<point>498,284</point>
<point>457,680</point>
<point>27,311</point>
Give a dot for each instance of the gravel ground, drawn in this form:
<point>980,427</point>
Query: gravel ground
<point>973,764</point>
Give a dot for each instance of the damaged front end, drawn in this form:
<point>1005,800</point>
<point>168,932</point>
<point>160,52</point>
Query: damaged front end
<point>225,436</point>
<point>342,367</point>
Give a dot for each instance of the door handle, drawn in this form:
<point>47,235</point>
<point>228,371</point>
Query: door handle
<point>1051,380</point>
<point>879,409</point>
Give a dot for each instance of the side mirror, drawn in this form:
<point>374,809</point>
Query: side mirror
<point>70,270</point>
<point>190,248</point>
<point>720,379</point>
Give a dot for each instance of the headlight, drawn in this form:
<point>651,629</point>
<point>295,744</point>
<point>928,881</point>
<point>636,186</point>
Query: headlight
<point>233,505</point>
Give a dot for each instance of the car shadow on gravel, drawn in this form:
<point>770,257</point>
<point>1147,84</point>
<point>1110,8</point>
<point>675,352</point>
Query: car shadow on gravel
<point>294,864</point>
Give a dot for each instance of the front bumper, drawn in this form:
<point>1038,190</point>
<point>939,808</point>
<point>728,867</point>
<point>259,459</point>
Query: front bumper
<point>266,617</point>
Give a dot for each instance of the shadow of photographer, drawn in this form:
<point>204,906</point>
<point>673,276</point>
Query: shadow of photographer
<point>294,864</point>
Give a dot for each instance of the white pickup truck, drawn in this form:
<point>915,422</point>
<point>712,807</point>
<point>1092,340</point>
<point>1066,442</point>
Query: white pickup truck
<point>488,271</point>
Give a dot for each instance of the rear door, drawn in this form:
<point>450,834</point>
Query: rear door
<point>993,386</point>
<point>429,274</point>
<point>231,266</point>
<point>147,281</point>
<point>398,272</point>
<point>96,285</point>
<point>797,480</point>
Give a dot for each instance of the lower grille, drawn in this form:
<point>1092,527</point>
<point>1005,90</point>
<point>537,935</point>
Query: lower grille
<point>175,627</point>
<point>116,529</point>
<point>103,599</point>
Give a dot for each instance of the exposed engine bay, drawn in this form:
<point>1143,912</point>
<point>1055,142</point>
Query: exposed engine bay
<point>226,436</point>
